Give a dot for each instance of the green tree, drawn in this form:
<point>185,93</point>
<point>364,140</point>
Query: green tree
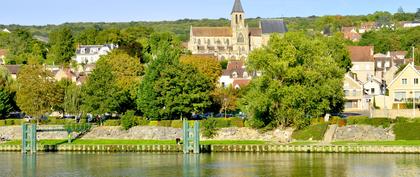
<point>208,66</point>
<point>37,92</point>
<point>226,98</point>
<point>22,46</point>
<point>101,94</point>
<point>417,15</point>
<point>87,36</point>
<point>299,80</point>
<point>336,47</point>
<point>171,89</point>
<point>7,92</point>
<point>71,97</point>
<point>62,46</point>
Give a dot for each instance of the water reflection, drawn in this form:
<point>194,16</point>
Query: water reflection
<point>216,164</point>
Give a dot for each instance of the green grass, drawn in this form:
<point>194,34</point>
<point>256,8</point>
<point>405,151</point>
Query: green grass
<point>407,131</point>
<point>134,142</point>
<point>380,143</point>
<point>304,143</point>
<point>316,132</point>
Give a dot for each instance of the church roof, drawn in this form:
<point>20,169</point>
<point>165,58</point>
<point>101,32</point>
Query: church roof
<point>237,7</point>
<point>273,26</point>
<point>212,31</point>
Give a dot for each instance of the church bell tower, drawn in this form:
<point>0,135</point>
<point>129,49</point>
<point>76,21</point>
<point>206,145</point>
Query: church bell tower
<point>239,30</point>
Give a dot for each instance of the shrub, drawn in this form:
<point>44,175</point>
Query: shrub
<point>127,120</point>
<point>153,123</point>
<point>316,132</point>
<point>254,123</point>
<point>342,122</point>
<point>2,122</point>
<point>407,131</point>
<point>165,123</point>
<point>334,120</point>
<point>237,122</point>
<point>112,123</point>
<point>376,122</point>
<point>209,129</point>
<point>177,124</point>
<point>315,121</point>
<point>141,121</point>
<point>9,122</point>
<point>221,122</point>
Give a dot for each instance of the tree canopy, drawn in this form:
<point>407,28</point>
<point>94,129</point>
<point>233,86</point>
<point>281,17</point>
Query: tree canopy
<point>299,80</point>
<point>62,46</point>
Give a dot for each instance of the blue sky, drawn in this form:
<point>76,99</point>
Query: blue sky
<point>41,12</point>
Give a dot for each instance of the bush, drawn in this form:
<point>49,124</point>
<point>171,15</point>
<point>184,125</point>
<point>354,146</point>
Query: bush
<point>112,123</point>
<point>165,123</point>
<point>376,122</point>
<point>342,122</point>
<point>407,131</point>
<point>254,123</point>
<point>209,129</point>
<point>316,132</point>
<point>236,122</point>
<point>127,120</point>
<point>153,123</point>
<point>315,121</point>
<point>141,121</point>
<point>177,124</point>
<point>2,122</point>
<point>9,122</point>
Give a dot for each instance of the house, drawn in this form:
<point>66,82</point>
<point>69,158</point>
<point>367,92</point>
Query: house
<point>89,54</point>
<point>235,75</point>
<point>363,62</point>
<point>3,53</point>
<point>351,33</point>
<point>366,27</point>
<point>398,57</point>
<point>354,96</point>
<point>405,86</point>
<point>13,70</point>
<point>6,30</point>
<point>65,73</point>
<point>411,24</point>
<point>373,87</point>
<point>234,42</point>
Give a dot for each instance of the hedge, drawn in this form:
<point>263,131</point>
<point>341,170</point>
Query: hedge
<point>112,123</point>
<point>376,122</point>
<point>141,121</point>
<point>177,124</point>
<point>407,131</point>
<point>153,123</point>
<point>2,122</point>
<point>316,132</point>
<point>164,123</point>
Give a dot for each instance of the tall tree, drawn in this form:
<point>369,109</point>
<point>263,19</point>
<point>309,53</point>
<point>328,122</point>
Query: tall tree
<point>62,46</point>
<point>417,16</point>
<point>226,98</point>
<point>37,91</point>
<point>171,89</point>
<point>299,80</point>
<point>7,92</point>
<point>87,36</point>
<point>208,66</point>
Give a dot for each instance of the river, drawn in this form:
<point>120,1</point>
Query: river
<point>215,164</point>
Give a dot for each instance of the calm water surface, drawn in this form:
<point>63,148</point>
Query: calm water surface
<point>216,164</point>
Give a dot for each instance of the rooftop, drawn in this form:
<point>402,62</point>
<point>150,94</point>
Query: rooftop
<point>361,53</point>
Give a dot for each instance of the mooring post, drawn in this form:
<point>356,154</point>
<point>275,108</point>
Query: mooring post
<point>33,138</point>
<point>24,137</point>
<point>196,137</point>
<point>186,136</point>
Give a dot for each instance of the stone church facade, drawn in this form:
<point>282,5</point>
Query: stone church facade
<point>234,42</point>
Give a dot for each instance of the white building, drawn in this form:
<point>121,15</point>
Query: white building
<point>411,24</point>
<point>235,75</point>
<point>89,54</point>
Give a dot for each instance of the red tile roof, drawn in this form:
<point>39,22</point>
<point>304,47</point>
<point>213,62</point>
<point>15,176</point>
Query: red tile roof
<point>352,36</point>
<point>361,53</point>
<point>212,31</point>
<point>241,82</point>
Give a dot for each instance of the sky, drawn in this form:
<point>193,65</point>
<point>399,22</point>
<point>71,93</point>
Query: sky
<point>42,12</point>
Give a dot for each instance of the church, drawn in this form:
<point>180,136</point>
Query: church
<point>234,42</point>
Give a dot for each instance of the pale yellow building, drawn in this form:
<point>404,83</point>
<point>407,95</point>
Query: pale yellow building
<point>404,87</point>
<point>353,91</point>
<point>234,42</point>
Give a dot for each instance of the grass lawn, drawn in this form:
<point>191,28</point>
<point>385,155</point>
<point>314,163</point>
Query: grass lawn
<point>381,143</point>
<point>134,142</point>
<point>314,132</point>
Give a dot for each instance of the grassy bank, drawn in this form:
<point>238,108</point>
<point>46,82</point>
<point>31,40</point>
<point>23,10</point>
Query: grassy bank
<point>380,143</point>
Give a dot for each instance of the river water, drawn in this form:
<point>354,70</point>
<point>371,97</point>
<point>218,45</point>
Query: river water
<point>215,164</point>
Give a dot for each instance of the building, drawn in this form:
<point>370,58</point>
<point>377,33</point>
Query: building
<point>235,75</point>
<point>354,96</point>
<point>89,54</point>
<point>411,24</point>
<point>363,62</point>
<point>373,87</point>
<point>6,30</point>
<point>13,70</point>
<point>234,42</point>
<point>366,27</point>
<point>405,87</point>
<point>351,33</point>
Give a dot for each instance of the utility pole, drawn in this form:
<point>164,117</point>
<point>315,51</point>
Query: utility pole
<point>414,91</point>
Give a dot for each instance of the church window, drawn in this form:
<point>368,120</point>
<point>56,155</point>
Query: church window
<point>199,42</point>
<point>240,17</point>
<point>208,42</point>
<point>241,38</point>
<point>227,41</point>
<point>236,16</point>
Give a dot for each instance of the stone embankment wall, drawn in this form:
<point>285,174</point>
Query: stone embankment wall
<point>363,133</point>
<point>152,133</point>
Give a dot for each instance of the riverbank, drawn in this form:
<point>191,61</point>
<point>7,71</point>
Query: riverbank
<point>406,147</point>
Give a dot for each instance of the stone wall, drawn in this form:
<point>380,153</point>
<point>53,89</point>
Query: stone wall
<point>363,133</point>
<point>153,133</point>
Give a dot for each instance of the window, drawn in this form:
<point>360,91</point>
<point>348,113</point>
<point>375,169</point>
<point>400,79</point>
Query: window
<point>199,42</point>
<point>82,50</point>
<point>387,64</point>
<point>346,93</point>
<point>400,96</point>
<point>354,92</point>
<point>241,38</point>
<point>372,90</point>
<point>404,81</point>
<point>417,96</point>
<point>367,67</point>
<point>356,67</point>
<point>416,81</point>
<point>235,75</point>
<point>208,42</point>
<point>379,64</point>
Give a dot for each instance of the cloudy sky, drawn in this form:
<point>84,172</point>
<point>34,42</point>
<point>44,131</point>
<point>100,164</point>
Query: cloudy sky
<point>41,12</point>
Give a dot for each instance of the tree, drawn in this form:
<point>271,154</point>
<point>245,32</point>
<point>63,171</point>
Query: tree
<point>71,97</point>
<point>171,89</point>
<point>22,46</point>
<point>299,80</point>
<point>87,36</point>
<point>208,66</point>
<point>336,47</point>
<point>37,91</point>
<point>400,10</point>
<point>5,106</point>
<point>417,16</point>
<point>62,46</point>
<point>226,98</point>
<point>101,94</point>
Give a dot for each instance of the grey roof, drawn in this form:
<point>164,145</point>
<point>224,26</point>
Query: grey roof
<point>273,26</point>
<point>237,7</point>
